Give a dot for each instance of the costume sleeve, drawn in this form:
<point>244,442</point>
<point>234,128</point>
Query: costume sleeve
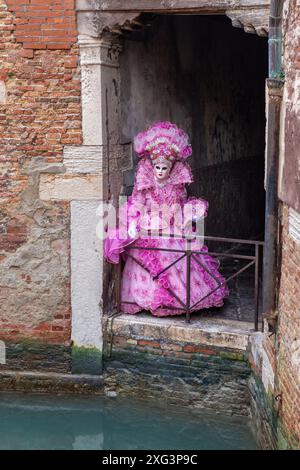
<point>199,207</point>
<point>118,237</point>
<point>193,206</point>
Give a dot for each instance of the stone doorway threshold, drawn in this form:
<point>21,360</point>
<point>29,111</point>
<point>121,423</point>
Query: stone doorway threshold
<point>203,330</point>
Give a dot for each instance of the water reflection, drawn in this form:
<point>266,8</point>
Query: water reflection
<point>100,423</point>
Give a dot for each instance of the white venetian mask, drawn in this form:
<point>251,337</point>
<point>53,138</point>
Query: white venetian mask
<point>161,170</point>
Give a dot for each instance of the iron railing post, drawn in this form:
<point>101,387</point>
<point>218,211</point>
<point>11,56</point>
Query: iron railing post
<point>188,281</point>
<point>118,286</point>
<point>187,307</point>
<point>256,285</point>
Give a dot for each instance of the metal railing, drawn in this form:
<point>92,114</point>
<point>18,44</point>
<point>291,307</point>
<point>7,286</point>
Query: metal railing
<point>189,254</point>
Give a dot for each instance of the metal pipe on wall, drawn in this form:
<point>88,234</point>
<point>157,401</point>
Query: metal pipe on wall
<point>275,39</point>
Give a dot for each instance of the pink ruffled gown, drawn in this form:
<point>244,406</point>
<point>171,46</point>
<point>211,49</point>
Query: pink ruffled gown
<point>165,294</point>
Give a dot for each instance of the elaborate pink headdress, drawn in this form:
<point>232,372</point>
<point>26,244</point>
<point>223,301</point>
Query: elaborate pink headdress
<point>163,141</point>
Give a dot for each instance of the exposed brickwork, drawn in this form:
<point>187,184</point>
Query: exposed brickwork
<point>36,355</point>
<point>41,24</point>
<point>275,363</point>
<point>56,331</point>
<point>186,351</point>
<point>288,355</point>
<point>264,420</point>
<point>40,112</point>
<point>13,234</point>
<point>180,372</point>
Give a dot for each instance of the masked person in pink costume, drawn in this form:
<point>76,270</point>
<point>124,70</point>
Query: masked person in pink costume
<point>157,215</point>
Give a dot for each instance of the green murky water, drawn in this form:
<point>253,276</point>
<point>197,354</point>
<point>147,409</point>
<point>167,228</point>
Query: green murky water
<point>100,423</point>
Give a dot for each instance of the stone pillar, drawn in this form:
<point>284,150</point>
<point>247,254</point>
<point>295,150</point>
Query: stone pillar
<point>98,155</point>
<point>99,59</point>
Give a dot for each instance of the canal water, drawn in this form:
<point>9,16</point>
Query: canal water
<point>102,423</point>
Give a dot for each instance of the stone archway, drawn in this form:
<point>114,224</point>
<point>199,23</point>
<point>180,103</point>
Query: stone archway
<point>95,17</point>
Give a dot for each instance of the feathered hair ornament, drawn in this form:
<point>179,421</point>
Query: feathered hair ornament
<point>163,142</point>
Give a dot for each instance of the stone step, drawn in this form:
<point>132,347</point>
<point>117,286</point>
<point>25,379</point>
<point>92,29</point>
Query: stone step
<point>204,330</point>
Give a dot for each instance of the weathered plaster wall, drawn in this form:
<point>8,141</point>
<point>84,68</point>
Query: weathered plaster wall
<point>281,375</point>
<point>209,78</point>
<point>289,190</point>
<point>39,114</point>
<point>277,366</point>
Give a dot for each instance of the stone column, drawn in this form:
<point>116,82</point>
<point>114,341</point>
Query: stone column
<point>100,124</point>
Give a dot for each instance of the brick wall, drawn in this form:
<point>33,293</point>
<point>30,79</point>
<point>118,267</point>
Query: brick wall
<point>276,388</point>
<point>41,24</point>
<point>40,112</point>
<point>288,344</point>
<point>193,365</point>
<point>275,359</point>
